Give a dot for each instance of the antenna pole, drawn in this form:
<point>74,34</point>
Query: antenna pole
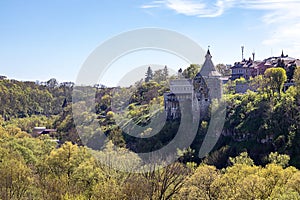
<point>242,52</point>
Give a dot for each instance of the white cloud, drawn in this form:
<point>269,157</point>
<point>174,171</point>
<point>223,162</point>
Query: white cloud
<point>149,6</point>
<point>193,8</point>
<point>204,8</point>
<point>282,17</point>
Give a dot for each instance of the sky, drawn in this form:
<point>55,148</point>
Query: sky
<point>40,40</point>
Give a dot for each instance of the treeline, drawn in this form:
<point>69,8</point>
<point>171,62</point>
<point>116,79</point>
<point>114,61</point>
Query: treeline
<point>33,168</point>
<point>259,122</point>
<point>255,158</point>
<point>24,99</point>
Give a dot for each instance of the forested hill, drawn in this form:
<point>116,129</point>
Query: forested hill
<point>257,122</point>
<point>256,157</point>
<point>23,99</point>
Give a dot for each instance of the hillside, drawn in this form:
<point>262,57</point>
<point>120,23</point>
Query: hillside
<point>258,122</point>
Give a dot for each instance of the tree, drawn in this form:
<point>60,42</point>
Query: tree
<point>258,83</point>
<point>107,189</point>
<point>297,77</point>
<point>290,70</point>
<point>294,182</point>
<point>191,71</point>
<point>86,177</point>
<point>52,83</point>
<point>59,174</point>
<point>275,177</point>
<point>159,76</point>
<point>15,176</point>
<point>166,72</point>
<point>164,183</point>
<point>275,78</point>
<point>229,185</point>
<point>223,69</point>
<point>279,159</point>
<point>64,160</point>
<point>149,74</point>
<point>200,184</point>
<point>243,158</point>
<point>251,187</point>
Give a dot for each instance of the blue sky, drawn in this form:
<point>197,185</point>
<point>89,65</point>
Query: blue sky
<point>44,39</point>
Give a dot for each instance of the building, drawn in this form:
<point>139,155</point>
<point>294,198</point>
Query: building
<point>37,131</point>
<point>250,68</point>
<point>245,69</point>
<point>196,93</point>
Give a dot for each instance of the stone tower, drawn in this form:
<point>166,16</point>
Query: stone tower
<point>212,77</point>
<point>199,92</point>
<point>207,86</point>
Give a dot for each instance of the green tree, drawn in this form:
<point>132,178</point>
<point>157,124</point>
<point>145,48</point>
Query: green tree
<point>65,159</point>
<point>159,76</point>
<point>243,158</point>
<point>297,77</point>
<point>15,176</point>
<point>166,72</point>
<point>279,159</point>
<point>149,74</point>
<point>229,185</point>
<point>276,77</point>
<point>200,184</point>
<point>52,83</point>
<point>223,69</point>
<point>164,183</point>
<point>258,83</point>
<point>191,71</point>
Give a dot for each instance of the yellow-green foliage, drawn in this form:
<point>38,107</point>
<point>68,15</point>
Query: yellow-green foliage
<point>32,168</point>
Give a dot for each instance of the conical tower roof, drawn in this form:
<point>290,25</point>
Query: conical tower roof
<point>208,69</point>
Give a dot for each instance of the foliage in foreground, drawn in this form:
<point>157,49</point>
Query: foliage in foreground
<point>34,168</point>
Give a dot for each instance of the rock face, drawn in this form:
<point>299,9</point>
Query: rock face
<point>197,92</point>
